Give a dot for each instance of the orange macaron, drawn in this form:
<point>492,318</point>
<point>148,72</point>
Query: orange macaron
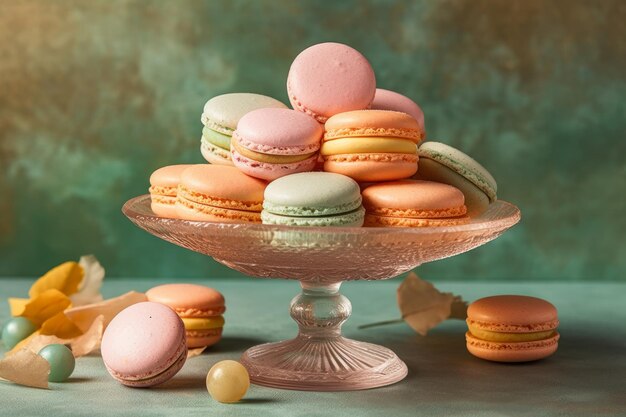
<point>219,193</point>
<point>512,328</point>
<point>413,203</point>
<point>199,307</point>
<point>372,145</point>
<point>163,189</point>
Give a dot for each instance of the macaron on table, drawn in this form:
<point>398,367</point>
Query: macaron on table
<point>272,216</point>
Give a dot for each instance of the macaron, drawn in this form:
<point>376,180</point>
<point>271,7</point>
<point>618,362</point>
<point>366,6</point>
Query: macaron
<point>271,143</point>
<point>412,203</point>
<point>144,345</point>
<point>390,100</point>
<point>442,163</point>
<point>219,193</point>
<point>163,189</point>
<point>330,78</point>
<point>371,145</point>
<point>199,307</point>
<point>220,117</point>
<point>313,199</point>
<point>512,328</point>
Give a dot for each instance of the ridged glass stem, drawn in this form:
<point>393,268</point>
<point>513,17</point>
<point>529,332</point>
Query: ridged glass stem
<point>320,310</point>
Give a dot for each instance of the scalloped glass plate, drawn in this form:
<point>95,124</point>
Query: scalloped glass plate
<point>319,358</point>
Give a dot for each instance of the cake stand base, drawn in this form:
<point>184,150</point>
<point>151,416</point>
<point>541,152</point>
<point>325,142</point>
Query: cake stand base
<point>310,364</point>
<point>320,359</point>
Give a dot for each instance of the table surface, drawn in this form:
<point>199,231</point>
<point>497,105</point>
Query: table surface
<point>586,377</point>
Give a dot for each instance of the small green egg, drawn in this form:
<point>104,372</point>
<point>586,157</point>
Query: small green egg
<point>61,362</point>
<point>16,330</point>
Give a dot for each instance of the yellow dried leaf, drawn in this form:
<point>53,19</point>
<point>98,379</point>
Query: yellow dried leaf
<point>81,345</point>
<point>59,325</point>
<point>25,367</point>
<point>17,305</point>
<point>84,316</point>
<point>45,305</point>
<point>65,278</point>
<point>423,306</point>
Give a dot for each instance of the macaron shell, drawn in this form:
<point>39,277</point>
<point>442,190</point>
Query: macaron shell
<point>156,379</point>
<point>223,185</point>
<point>513,313</point>
<point>279,132</point>
<point>190,210</point>
<point>511,352</point>
<point>168,176</point>
<point>352,219</point>
<point>222,113</point>
<point>372,220</point>
<point>142,341</point>
<point>312,194</point>
<point>462,164</point>
<point>268,171</point>
<point>214,154</point>
<point>330,78</point>
<point>390,100</point>
<point>475,199</point>
<point>373,123</point>
<point>412,194</point>
<point>372,167</point>
<point>164,206</point>
<point>189,300</point>
<point>202,339</point>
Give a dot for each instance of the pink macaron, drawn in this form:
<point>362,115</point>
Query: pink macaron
<point>330,78</point>
<point>270,143</point>
<point>390,100</point>
<point>144,345</point>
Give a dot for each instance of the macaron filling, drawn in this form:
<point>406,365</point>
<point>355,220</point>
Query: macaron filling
<point>203,323</point>
<point>216,138</point>
<point>368,145</point>
<point>284,210</point>
<point>270,158</point>
<point>491,336</point>
<point>186,195</point>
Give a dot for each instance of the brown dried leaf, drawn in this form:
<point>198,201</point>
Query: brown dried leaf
<point>84,316</point>
<point>25,367</point>
<point>423,306</point>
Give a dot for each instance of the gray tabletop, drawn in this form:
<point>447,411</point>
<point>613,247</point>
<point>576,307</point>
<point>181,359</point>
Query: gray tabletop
<point>586,377</point>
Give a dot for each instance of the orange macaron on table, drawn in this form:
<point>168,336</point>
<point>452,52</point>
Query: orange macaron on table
<point>321,258</point>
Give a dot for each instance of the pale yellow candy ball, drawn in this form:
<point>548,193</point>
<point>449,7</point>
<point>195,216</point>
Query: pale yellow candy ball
<point>228,381</point>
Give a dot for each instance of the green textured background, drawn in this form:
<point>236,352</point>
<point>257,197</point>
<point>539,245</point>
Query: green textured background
<point>95,95</point>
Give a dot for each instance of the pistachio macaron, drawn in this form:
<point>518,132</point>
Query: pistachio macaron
<point>443,163</point>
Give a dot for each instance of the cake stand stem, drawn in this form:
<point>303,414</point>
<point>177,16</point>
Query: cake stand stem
<point>319,358</point>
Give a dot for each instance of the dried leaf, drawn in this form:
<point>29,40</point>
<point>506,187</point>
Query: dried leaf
<point>89,288</point>
<point>17,305</point>
<point>59,325</point>
<point>45,305</point>
<point>25,368</point>
<point>81,345</point>
<point>422,306</point>
<point>84,316</point>
<point>65,278</point>
<point>195,352</point>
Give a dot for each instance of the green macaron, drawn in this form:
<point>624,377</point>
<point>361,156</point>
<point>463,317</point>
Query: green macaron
<point>443,163</point>
<point>313,199</point>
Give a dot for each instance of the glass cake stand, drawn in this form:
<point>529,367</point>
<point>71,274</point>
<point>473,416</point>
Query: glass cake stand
<point>319,358</point>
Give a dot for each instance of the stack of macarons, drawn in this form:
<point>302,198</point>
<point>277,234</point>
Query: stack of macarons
<point>365,138</point>
<point>220,117</point>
